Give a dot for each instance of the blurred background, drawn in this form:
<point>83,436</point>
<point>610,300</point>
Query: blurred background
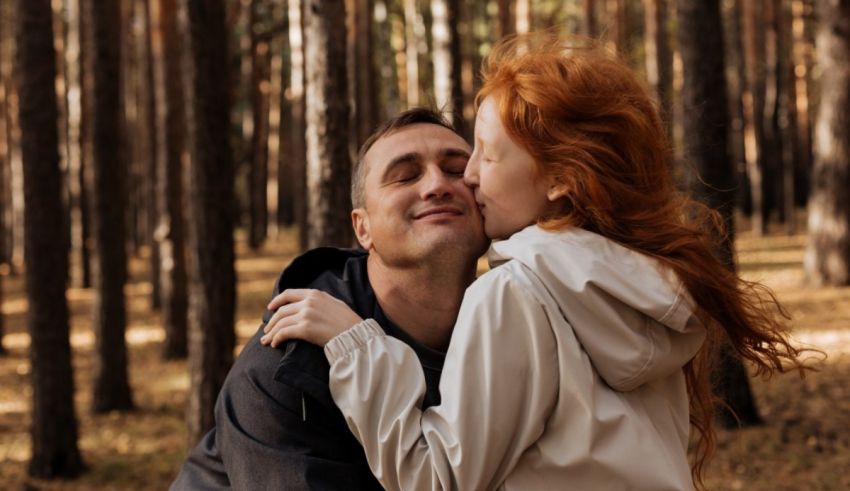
<point>162,160</point>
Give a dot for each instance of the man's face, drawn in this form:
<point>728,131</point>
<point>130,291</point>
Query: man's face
<point>416,204</point>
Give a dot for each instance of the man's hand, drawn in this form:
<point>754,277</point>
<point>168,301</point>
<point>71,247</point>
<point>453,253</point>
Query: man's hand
<point>311,315</point>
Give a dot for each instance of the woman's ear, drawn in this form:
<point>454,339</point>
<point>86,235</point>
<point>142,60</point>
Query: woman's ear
<point>556,191</point>
<point>360,223</point>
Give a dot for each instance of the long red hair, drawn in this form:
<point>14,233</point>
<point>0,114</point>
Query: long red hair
<point>590,124</point>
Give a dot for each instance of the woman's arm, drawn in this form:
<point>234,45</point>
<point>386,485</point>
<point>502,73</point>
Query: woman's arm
<point>499,385</point>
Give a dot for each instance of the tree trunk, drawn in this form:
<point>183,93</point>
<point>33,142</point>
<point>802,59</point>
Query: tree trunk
<point>523,16</point>
<point>211,265</point>
<point>507,25</point>
<point>285,185</point>
<point>706,118</point>
<point>328,161</point>
<point>448,91</point>
<point>412,22</point>
<point>60,45</point>
<point>736,78</point>
<point>169,231</point>
<point>827,259</point>
<point>4,160</point>
<point>590,24</point>
<point>659,60</point>
<point>800,68</point>
<point>365,89</point>
<point>754,109</point>
<point>785,118</point>
<point>111,389</point>
<point>147,104</point>
<point>54,424</point>
<point>259,170</point>
<point>297,158</point>
<point>80,274</point>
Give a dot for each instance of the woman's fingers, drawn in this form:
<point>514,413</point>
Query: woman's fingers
<point>307,314</point>
<point>290,295</point>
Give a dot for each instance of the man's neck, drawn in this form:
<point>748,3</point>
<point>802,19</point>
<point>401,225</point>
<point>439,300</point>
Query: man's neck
<point>423,301</point>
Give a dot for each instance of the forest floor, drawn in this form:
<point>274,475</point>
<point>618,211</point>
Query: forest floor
<point>803,445</point>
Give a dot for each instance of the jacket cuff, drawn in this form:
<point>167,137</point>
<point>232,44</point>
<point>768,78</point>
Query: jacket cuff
<point>352,339</point>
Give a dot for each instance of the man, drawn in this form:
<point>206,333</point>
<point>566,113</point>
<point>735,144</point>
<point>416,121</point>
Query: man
<point>276,424</point>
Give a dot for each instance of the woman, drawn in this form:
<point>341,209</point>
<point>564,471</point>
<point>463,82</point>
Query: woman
<point>582,358</point>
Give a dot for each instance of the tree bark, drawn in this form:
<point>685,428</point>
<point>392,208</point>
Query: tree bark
<point>827,258</point>
<point>411,43</point>
<point>706,118</point>
<point>328,160</point>
<point>591,29</point>
<point>507,26</point>
<point>147,104</point>
<point>111,389</point>
<point>754,102</point>
<point>659,60</point>
<point>297,159</point>
<point>365,89</point>
<point>800,68</point>
<point>211,266</point>
<point>259,170</point>
<point>54,424</point>
<point>448,90</point>
<point>169,231</point>
<point>523,16</point>
<point>4,161</point>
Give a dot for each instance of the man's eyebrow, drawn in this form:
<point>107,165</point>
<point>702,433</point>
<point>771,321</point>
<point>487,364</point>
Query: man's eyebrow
<point>452,152</point>
<point>406,158</point>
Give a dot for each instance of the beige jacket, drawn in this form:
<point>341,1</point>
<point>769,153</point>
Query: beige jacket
<point>564,372</point>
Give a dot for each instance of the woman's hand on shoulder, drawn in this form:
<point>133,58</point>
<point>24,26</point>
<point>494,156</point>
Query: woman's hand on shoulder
<point>310,315</point>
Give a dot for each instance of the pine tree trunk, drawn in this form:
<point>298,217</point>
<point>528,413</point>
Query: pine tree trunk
<point>54,425</point>
<point>754,109</point>
<point>212,282</point>
<point>507,26</point>
<point>659,60</point>
<point>448,91</point>
<point>411,52</point>
<point>365,89</point>
<point>736,81</point>
<point>801,70</point>
<point>328,160</point>
<point>169,231</point>
<point>827,259</point>
<point>523,16</point>
<point>111,389</point>
<point>285,185</point>
<point>705,122</point>
<point>297,158</point>
<point>259,174</point>
<point>147,97</point>
<point>590,25</point>
<point>4,162</point>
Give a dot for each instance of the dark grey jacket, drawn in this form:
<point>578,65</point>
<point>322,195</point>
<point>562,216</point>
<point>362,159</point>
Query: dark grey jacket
<point>276,424</point>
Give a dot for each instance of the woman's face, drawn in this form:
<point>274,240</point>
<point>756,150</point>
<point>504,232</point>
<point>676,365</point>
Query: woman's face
<point>502,176</point>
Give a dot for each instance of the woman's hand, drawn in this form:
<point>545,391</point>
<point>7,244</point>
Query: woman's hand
<point>311,315</point>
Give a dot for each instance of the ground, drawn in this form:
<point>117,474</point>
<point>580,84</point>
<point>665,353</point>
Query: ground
<point>803,445</point>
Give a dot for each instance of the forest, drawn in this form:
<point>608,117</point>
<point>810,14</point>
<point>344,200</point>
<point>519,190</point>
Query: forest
<point>162,160</point>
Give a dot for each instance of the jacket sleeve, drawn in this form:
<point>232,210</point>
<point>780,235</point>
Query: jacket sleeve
<point>499,385</point>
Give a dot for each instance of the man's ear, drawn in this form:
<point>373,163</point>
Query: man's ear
<point>360,222</point>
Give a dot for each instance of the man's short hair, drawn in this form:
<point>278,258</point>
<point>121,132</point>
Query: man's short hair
<point>416,115</point>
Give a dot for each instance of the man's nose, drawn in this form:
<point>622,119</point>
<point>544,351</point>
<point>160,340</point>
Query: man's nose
<point>437,184</point>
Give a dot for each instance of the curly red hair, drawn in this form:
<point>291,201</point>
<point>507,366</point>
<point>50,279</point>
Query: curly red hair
<point>591,125</point>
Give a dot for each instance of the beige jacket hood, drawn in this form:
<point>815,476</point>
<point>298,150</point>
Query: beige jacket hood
<point>599,289</point>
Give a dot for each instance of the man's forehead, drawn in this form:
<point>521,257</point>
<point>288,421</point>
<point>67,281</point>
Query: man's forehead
<point>419,138</point>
